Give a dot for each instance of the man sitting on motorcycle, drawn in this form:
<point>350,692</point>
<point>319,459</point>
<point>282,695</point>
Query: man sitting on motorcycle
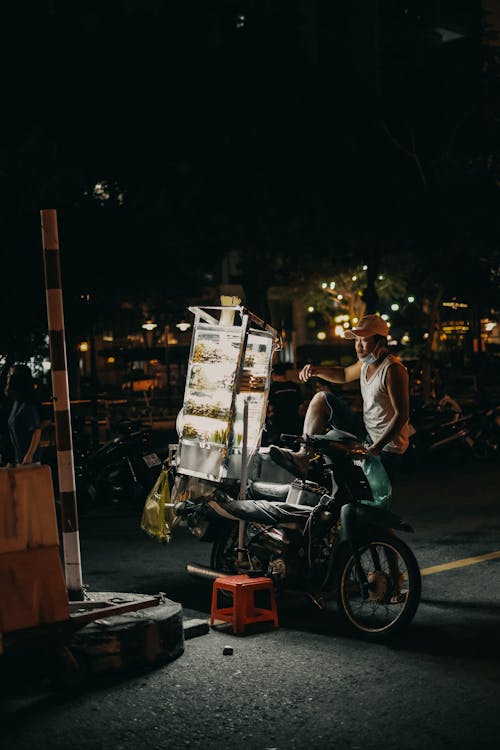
<point>384,426</point>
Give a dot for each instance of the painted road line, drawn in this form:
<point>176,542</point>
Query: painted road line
<point>459,563</point>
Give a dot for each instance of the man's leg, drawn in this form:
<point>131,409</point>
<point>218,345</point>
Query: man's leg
<point>325,409</point>
<point>343,417</point>
<point>315,423</point>
<point>317,416</point>
<point>391,462</point>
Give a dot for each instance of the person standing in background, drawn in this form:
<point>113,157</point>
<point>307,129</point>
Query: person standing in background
<point>6,449</point>
<point>24,419</point>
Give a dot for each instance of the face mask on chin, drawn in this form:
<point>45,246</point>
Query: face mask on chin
<point>370,359</point>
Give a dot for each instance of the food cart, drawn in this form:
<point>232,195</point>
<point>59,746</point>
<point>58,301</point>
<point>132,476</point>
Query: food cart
<point>226,394</point>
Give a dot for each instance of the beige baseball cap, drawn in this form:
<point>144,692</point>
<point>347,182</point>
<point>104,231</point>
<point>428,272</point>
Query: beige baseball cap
<point>370,325</point>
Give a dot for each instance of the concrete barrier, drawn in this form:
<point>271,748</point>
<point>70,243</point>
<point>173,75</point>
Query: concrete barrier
<point>32,587</point>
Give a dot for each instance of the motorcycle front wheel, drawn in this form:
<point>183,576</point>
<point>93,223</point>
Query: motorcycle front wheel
<point>378,594</point>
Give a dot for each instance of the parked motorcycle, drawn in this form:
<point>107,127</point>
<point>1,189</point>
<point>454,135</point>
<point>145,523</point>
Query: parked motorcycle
<point>328,539</point>
<point>484,433</point>
<point>438,426</point>
<point>119,473</point>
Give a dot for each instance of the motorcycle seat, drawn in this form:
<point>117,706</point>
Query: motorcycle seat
<point>268,491</point>
<point>338,436</point>
<point>336,441</point>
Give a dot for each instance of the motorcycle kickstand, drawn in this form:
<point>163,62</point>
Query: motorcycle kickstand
<point>241,550</point>
<point>318,602</point>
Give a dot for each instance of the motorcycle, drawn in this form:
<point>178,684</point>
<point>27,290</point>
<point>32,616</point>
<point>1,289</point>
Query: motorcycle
<point>484,433</point>
<point>119,473</point>
<point>327,538</point>
<point>438,425</point>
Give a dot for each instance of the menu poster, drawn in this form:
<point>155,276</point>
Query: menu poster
<point>255,410</point>
<point>210,384</point>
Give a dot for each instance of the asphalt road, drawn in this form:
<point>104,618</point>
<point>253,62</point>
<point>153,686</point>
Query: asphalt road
<point>305,685</point>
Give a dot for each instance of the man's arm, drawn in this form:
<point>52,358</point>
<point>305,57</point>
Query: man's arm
<point>399,394</point>
<point>331,374</point>
<point>34,443</point>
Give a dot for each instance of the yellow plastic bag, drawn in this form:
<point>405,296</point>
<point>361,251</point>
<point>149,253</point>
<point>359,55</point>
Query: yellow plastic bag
<point>158,520</point>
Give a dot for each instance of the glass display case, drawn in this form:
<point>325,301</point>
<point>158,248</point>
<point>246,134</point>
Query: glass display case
<point>229,366</point>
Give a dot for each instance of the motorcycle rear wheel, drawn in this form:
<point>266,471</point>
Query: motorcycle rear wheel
<point>394,587</point>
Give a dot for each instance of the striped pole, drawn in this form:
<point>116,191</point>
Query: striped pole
<point>64,442</point>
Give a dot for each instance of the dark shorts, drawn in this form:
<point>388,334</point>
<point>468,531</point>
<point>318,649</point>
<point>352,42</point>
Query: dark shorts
<point>343,417</point>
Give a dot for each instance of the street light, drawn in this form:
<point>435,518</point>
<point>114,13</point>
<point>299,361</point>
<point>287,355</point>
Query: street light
<point>149,325</point>
<point>183,325</point>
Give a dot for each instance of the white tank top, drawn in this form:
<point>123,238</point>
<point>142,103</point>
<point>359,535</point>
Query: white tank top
<point>377,408</point>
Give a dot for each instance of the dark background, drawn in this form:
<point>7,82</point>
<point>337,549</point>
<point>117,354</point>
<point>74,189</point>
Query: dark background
<point>293,131</point>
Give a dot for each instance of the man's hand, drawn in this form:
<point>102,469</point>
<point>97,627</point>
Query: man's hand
<point>306,373</point>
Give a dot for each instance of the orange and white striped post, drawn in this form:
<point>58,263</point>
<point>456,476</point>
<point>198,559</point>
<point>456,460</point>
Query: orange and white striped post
<point>62,413</point>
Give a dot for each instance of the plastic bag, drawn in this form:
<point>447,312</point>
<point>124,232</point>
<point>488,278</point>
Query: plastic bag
<point>379,482</point>
<point>158,520</point>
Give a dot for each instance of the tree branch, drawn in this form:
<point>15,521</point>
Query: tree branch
<point>411,154</point>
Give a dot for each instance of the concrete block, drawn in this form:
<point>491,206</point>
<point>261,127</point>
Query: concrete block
<point>193,628</point>
<point>27,509</point>
<point>32,589</point>
<point>13,521</point>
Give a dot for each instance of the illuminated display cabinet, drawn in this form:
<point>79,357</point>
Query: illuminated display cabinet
<point>229,365</point>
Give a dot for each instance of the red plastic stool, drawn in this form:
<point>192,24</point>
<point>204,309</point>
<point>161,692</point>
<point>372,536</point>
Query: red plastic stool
<point>243,611</point>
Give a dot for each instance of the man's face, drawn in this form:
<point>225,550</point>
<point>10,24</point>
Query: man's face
<point>365,346</point>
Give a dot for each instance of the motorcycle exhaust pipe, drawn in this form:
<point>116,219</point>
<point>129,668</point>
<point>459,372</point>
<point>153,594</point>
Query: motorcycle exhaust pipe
<point>201,571</point>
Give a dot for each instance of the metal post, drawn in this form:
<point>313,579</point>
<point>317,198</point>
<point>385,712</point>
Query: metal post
<point>166,332</point>
<point>244,452</point>
<point>94,415</point>
<point>64,442</point>
<point>243,477</point>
